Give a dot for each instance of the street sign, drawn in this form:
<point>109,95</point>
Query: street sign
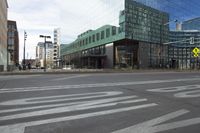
<point>196,52</point>
<point>191,40</point>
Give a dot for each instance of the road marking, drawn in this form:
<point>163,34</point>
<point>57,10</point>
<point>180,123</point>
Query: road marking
<point>83,106</point>
<point>176,88</point>
<point>152,126</point>
<point>189,91</point>
<point>188,94</point>
<point>20,128</point>
<point>60,98</point>
<point>73,106</point>
<point>17,77</point>
<point>50,99</point>
<point>69,104</point>
<point>70,77</point>
<point>68,107</point>
<point>44,88</point>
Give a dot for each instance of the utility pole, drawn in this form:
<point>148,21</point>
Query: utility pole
<point>24,62</point>
<point>45,62</point>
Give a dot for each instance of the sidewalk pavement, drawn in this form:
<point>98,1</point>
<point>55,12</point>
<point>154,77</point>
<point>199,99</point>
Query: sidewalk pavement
<point>83,71</point>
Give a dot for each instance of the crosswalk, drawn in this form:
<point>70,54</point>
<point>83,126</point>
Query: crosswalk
<point>160,124</point>
<point>11,77</point>
<point>78,86</point>
<point>107,102</point>
<point>16,115</point>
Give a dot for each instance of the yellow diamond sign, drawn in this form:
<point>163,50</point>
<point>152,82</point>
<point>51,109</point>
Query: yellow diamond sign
<point>196,52</point>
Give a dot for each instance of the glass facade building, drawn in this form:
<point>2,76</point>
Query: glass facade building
<point>178,9</point>
<point>89,49</point>
<point>193,24</point>
<point>180,51</point>
<point>144,23</point>
<point>136,43</point>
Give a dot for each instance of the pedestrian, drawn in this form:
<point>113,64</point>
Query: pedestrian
<point>20,67</point>
<point>29,65</point>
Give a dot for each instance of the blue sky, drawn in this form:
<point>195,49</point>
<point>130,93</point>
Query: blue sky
<point>178,9</point>
<point>76,16</point>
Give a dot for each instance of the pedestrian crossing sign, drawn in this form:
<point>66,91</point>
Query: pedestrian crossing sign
<point>196,52</point>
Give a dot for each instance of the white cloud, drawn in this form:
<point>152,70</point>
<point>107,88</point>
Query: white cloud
<point>72,16</point>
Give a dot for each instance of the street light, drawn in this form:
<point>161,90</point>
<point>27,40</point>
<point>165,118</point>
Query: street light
<point>24,62</point>
<point>45,62</point>
<point>161,40</point>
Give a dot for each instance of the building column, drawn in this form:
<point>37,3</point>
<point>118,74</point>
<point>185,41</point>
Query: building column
<point>88,62</point>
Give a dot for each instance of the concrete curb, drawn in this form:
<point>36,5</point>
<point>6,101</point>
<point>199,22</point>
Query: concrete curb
<point>80,71</point>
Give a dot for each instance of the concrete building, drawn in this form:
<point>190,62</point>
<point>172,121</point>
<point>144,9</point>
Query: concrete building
<point>136,43</point>
<point>178,26</point>
<point>56,54</point>
<point>180,50</point>
<point>192,24</point>
<point>3,34</point>
<point>13,43</point>
<point>40,54</point>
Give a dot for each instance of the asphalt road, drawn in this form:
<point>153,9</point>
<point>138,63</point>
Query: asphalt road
<point>150,102</point>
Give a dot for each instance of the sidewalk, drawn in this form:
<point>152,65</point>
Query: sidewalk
<point>51,71</point>
<point>83,71</point>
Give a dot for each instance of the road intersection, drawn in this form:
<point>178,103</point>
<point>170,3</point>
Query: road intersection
<point>101,103</point>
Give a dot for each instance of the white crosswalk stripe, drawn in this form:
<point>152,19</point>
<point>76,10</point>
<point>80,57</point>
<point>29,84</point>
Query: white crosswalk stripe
<point>17,77</point>
<point>70,77</point>
<point>155,125</point>
<point>69,103</point>
<point>44,88</point>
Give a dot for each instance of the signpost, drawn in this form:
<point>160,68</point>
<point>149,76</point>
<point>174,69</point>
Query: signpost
<point>196,52</point>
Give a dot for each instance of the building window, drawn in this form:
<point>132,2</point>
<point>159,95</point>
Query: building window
<point>90,39</point>
<point>80,43</point>
<point>114,30</point>
<point>93,38</point>
<point>98,36</point>
<point>83,42</point>
<point>86,41</point>
<point>102,49</point>
<point>107,33</point>
<point>102,35</point>
<point>10,41</point>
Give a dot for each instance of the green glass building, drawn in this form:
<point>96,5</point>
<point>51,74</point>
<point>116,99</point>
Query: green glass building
<point>136,43</point>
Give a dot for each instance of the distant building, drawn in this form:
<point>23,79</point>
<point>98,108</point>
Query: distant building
<point>178,26</point>
<point>180,51</point>
<point>56,55</point>
<point>40,54</point>
<point>13,43</point>
<point>192,24</point>
<point>3,34</point>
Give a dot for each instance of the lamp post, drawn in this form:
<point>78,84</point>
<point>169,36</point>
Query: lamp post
<point>24,62</point>
<point>45,61</point>
<point>161,40</point>
<point>8,50</point>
